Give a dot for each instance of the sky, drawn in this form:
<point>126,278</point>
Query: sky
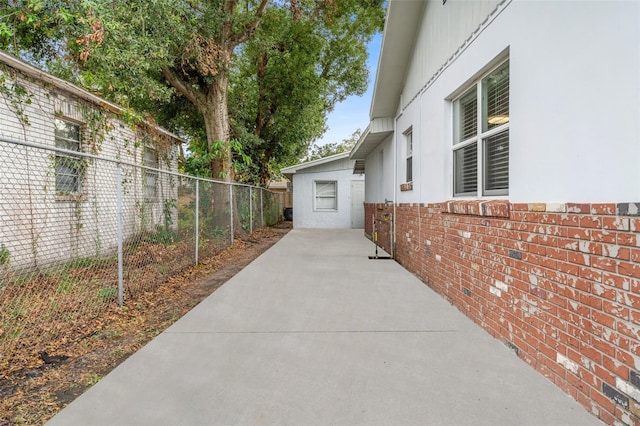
<point>353,113</point>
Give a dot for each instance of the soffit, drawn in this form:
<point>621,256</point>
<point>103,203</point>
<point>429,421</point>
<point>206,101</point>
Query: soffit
<point>401,27</point>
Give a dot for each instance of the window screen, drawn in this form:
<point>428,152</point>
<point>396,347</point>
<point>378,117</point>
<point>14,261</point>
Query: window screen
<point>68,167</point>
<point>150,176</point>
<point>326,195</point>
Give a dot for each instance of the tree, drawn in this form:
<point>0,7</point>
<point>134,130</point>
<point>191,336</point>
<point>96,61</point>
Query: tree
<point>333,148</point>
<point>292,74</point>
<point>129,50</point>
<point>39,29</point>
<point>140,53</point>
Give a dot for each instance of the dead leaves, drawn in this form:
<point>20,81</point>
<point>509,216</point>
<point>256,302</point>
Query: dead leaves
<point>96,36</point>
<point>205,55</point>
<point>32,391</point>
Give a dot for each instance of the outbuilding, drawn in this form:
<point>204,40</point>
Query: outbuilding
<point>59,150</point>
<point>327,193</point>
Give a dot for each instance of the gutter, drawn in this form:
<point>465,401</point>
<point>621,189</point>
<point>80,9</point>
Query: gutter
<point>61,84</point>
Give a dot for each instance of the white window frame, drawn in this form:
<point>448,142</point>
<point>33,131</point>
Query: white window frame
<point>72,164</point>
<point>408,134</point>
<point>150,177</point>
<point>317,196</point>
<point>479,138</point>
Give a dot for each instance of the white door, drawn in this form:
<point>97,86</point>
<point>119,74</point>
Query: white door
<point>357,204</point>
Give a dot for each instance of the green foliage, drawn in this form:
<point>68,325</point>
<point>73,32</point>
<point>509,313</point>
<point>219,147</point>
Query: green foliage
<point>218,233</point>
<point>107,294</point>
<point>4,255</point>
<point>187,216</point>
<point>333,148</point>
<point>160,235</point>
<point>17,312</point>
<point>285,65</point>
<point>290,76</point>
<point>41,27</point>
<point>66,283</point>
<point>168,206</point>
<point>91,379</point>
<point>82,262</point>
<point>198,163</point>
<point>15,96</point>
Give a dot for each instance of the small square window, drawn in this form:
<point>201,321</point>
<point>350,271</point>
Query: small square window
<point>326,195</point>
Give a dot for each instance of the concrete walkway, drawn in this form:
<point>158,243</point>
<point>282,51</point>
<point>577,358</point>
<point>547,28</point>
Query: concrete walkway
<point>315,333</point>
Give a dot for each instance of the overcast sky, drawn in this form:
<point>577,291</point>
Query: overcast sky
<point>353,113</point>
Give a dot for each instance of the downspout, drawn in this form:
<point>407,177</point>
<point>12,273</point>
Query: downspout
<point>395,187</point>
<point>420,169</point>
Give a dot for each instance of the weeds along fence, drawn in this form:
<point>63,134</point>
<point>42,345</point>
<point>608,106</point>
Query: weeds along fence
<point>80,233</point>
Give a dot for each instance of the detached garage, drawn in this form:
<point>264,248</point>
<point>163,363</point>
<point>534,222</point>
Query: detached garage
<point>327,193</point>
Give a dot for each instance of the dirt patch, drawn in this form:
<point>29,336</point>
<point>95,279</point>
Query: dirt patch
<point>50,381</point>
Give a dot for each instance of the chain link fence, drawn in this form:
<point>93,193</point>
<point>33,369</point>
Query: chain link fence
<point>80,233</point>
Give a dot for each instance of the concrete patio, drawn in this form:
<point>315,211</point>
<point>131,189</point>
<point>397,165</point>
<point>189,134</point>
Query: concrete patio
<point>315,333</point>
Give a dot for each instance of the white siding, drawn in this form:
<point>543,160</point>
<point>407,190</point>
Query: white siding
<point>37,225</point>
<point>445,27</point>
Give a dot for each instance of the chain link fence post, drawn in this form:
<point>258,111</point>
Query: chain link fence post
<point>119,214</point>
<point>197,218</point>
<point>261,209</point>
<point>231,212</point>
<point>250,209</point>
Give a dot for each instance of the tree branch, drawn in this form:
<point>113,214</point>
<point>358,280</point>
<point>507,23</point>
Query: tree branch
<point>194,97</point>
<point>249,29</point>
<point>228,9</point>
<point>229,6</point>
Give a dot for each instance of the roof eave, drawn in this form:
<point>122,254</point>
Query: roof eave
<point>40,75</point>
<point>404,17</point>
<point>375,133</point>
<point>291,170</point>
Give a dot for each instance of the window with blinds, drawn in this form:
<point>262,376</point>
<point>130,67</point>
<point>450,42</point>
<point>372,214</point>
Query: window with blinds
<point>466,166</point>
<point>326,195</point>
<point>495,95</point>
<point>496,162</point>
<point>68,167</point>
<point>468,121</point>
<point>481,136</point>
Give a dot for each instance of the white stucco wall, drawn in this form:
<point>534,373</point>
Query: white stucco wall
<point>574,104</point>
<point>304,213</point>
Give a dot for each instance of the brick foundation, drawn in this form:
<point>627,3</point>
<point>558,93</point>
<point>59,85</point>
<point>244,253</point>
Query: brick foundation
<point>558,283</point>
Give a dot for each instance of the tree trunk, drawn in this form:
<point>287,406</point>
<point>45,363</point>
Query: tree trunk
<point>216,120</point>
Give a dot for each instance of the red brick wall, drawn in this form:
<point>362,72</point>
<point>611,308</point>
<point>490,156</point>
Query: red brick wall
<point>558,283</point>
<point>378,217</point>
